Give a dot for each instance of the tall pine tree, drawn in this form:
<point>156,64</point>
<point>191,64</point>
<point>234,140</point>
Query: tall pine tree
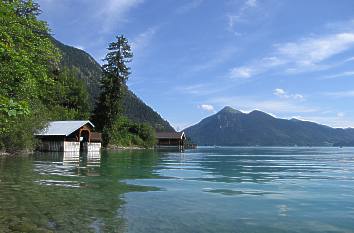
<point>115,74</point>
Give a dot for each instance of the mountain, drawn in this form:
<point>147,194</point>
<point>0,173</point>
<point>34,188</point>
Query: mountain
<point>87,68</point>
<point>90,72</point>
<point>230,127</point>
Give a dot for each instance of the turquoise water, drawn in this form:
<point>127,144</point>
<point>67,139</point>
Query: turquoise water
<point>204,190</point>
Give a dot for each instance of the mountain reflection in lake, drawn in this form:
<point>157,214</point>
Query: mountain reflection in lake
<point>205,190</point>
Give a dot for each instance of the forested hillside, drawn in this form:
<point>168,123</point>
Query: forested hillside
<point>88,69</point>
<point>90,72</point>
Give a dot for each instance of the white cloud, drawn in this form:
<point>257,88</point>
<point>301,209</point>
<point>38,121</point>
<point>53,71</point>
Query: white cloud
<point>251,3</point>
<point>143,39</point>
<point>310,51</point>
<point>241,15</point>
<point>258,67</point>
<point>201,89</point>
<point>194,89</point>
<point>272,61</point>
<point>114,12</point>
<point>306,54</point>
<point>197,89</point>
<point>339,75</point>
<point>279,92</point>
<point>231,21</point>
<point>283,94</point>
<point>207,107</point>
<point>192,4</point>
<point>215,59</point>
<point>298,97</point>
<point>340,114</point>
<point>345,25</point>
<point>340,94</point>
<point>241,72</point>
<point>349,59</point>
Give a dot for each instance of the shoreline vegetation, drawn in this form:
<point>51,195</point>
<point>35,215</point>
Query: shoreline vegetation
<point>36,89</point>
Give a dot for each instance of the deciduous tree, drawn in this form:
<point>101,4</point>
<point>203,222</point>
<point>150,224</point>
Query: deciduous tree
<point>27,60</point>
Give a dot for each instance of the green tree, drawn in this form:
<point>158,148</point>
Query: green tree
<point>68,98</point>
<point>147,133</point>
<point>115,74</point>
<point>27,61</point>
<point>127,133</point>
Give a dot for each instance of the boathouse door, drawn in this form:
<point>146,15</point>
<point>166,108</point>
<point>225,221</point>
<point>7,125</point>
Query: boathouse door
<point>84,139</point>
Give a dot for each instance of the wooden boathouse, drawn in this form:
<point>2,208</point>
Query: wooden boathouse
<point>69,136</point>
<point>171,139</point>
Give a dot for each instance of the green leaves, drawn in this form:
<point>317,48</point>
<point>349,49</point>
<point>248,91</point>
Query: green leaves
<point>115,75</point>
<point>11,108</point>
<point>27,58</point>
<point>68,97</point>
<point>25,50</point>
<point>127,133</point>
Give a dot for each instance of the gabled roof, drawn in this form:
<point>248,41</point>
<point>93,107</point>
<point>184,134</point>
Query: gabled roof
<point>169,135</point>
<point>62,128</point>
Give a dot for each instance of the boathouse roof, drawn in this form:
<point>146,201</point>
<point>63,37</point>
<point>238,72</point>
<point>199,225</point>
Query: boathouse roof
<point>62,128</point>
<point>169,135</point>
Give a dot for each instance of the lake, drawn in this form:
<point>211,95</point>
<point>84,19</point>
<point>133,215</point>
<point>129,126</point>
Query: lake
<point>226,189</point>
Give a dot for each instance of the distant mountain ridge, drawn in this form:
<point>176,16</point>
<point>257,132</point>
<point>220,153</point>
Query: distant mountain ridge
<point>90,72</point>
<point>230,127</point>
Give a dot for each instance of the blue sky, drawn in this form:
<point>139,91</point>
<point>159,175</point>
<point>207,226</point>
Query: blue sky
<point>193,57</point>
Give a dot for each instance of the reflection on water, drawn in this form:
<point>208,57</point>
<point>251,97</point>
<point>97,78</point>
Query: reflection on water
<point>66,192</point>
<point>72,158</point>
<point>204,190</point>
<point>247,190</point>
<point>68,164</point>
<point>93,159</point>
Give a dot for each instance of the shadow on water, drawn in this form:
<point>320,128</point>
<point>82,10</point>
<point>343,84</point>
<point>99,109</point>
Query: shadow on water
<point>69,192</point>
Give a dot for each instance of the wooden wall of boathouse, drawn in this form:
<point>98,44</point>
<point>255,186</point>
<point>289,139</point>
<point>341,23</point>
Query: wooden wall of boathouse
<point>51,146</point>
<point>170,140</point>
<point>71,146</point>
<point>59,146</point>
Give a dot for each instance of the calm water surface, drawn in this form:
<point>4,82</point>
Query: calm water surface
<point>204,190</point>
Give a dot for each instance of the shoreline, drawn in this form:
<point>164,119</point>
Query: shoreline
<point>120,148</point>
